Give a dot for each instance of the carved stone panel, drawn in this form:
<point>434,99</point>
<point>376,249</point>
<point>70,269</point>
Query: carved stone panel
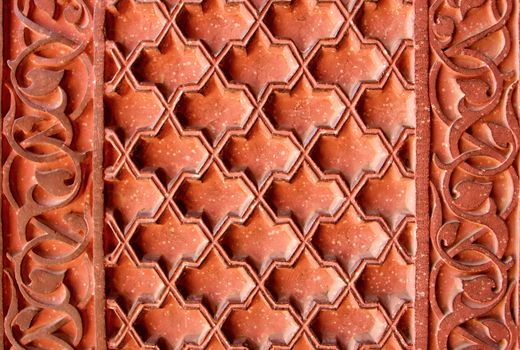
<point>260,174</point>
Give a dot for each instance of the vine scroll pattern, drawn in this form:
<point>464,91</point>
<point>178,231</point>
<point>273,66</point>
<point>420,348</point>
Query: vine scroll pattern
<point>47,126</point>
<point>474,174</point>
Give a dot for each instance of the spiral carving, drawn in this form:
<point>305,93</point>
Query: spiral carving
<point>474,182</point>
<point>48,238</point>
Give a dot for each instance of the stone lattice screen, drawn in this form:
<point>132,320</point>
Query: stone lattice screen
<point>260,174</point>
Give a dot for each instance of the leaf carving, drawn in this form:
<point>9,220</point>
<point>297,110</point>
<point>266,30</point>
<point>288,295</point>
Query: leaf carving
<point>43,81</point>
<point>46,281</point>
<point>444,27</point>
<point>471,194</point>
<point>467,5</point>
<point>448,233</point>
<point>497,330</point>
<point>54,181</point>
<point>501,135</point>
<point>72,14</point>
<point>24,318</point>
<point>47,6</point>
<point>480,288</point>
<point>475,90</point>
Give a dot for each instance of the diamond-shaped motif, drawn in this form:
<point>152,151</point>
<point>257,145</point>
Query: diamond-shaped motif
<point>293,20</point>
<point>214,109</point>
<point>351,152</point>
<point>305,197</point>
<point>168,153</point>
<point>350,326</point>
<point>391,283</point>
<point>350,240</point>
<point>260,241</point>
<point>215,22</point>
<point>168,241</point>
<point>305,284</point>
<point>303,344</point>
<point>260,153</point>
<point>375,201</point>
<point>215,284</point>
<point>171,326</point>
<point>171,64</point>
<point>304,110</point>
<point>260,63</point>
<point>214,197</point>
<point>259,326</point>
<point>349,64</point>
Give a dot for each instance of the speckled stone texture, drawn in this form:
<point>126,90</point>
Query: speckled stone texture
<point>260,174</point>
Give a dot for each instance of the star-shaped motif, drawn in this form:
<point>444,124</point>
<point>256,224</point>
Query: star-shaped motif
<point>393,32</point>
<point>259,326</point>
<point>392,197</point>
<point>390,109</point>
<point>215,22</point>
<point>168,154</point>
<point>390,283</point>
<point>171,64</point>
<point>131,285</point>
<point>293,20</point>
<point>352,152</point>
<point>260,63</point>
<point>349,326</point>
<point>213,198</point>
<point>130,110</point>
<point>260,241</point>
<point>130,22</point>
<point>168,241</point>
<point>215,284</point>
<point>214,109</point>
<point>303,110</point>
<point>131,198</point>
<point>260,153</point>
<point>349,64</point>
<point>305,197</point>
<point>172,325</point>
<point>305,284</point>
<point>350,240</point>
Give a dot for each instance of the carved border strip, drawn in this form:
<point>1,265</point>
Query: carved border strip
<point>47,242</point>
<point>98,174</point>
<point>474,175</point>
<point>422,174</point>
<point>1,175</point>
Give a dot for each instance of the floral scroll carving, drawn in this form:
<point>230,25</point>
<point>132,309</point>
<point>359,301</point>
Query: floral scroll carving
<point>48,273</point>
<point>474,174</point>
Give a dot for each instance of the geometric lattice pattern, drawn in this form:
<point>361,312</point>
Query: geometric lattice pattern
<point>248,160</point>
